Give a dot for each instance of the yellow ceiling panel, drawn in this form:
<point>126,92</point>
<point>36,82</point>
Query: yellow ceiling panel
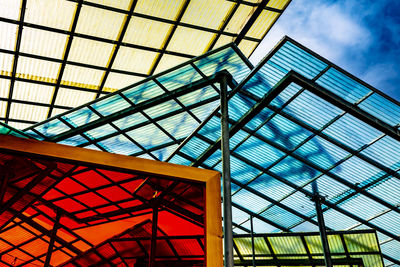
<point>3,107</point>
<point>135,60</point>
<point>43,43</point>
<point>72,98</point>
<point>146,32</point>
<point>239,19</point>
<point>57,111</point>
<point>207,13</point>
<point>167,9</point>
<point>116,81</point>
<point>37,69</point>
<point>33,92</point>
<point>81,77</point>
<point>190,41</point>
<point>8,35</point>
<point>90,52</point>
<point>247,47</point>
<point>6,62</point>
<point>279,4</point>
<point>168,61</point>
<point>28,112</point>
<point>51,13</point>
<point>4,87</point>
<point>10,8</point>
<point>99,22</point>
<point>262,24</point>
<point>223,40</point>
<point>19,125</point>
<point>121,4</point>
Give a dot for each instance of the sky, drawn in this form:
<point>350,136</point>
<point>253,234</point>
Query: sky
<point>360,36</point>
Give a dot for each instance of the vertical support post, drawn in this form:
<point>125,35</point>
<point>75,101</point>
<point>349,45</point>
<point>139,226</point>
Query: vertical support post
<point>153,243</point>
<point>52,239</point>
<point>252,241</point>
<point>321,224</point>
<point>226,174</point>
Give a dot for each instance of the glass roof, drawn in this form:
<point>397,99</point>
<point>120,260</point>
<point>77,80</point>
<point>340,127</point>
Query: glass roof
<point>288,129</point>
<point>351,248</point>
<point>58,54</point>
<point>141,120</point>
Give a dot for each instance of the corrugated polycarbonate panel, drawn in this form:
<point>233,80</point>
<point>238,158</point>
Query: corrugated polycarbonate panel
<point>299,138</point>
<point>107,45</point>
<point>153,131</point>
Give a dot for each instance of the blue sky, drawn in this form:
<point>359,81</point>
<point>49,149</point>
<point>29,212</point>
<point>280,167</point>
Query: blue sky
<point>361,36</point>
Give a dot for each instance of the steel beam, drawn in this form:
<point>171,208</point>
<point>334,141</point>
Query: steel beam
<point>226,174</point>
<point>252,241</point>
<point>321,224</point>
<point>52,239</point>
<point>153,243</point>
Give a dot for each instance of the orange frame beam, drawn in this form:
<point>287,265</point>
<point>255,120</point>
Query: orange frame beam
<point>213,227</point>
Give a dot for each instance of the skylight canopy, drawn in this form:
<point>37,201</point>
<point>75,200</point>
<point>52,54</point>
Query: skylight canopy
<point>59,54</point>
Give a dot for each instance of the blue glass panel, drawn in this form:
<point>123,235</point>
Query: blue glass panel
<point>238,216</point>
<point>281,216</point>
<point>226,59</point>
<point>238,105</point>
<point>259,152</point>
<point>130,121</point>
<point>285,95</point>
<point>74,140</point>
<point>143,92</point>
<point>198,96</point>
<point>250,201</point>
<point>321,152</point>
<point>180,160</point>
<point>180,125</point>
<point>391,249</point>
<point>258,119</point>
<point>331,189</point>
<point>212,129</point>
<point>163,108</point>
<point>363,207</point>
<point>34,135</point>
<point>80,117</point>
<point>357,171</point>
<point>163,154</point>
<point>241,171</point>
<point>271,187</point>
<point>306,227</point>
<point>389,221</point>
<point>120,145</point>
<point>312,110</point>
<point>194,147</point>
<point>294,171</point>
<point>337,220</point>
<point>52,128</point>
<point>204,111</point>
<point>237,139</point>
<point>110,105</point>
<point>291,57</point>
<point>389,190</point>
<point>180,77</point>
<point>382,108</point>
<point>261,227</point>
<point>100,131</point>
<point>301,203</point>
<point>344,129</point>
<point>343,86</point>
<point>386,151</point>
<point>284,132</point>
<point>149,136</point>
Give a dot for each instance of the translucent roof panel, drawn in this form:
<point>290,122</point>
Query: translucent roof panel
<point>150,118</point>
<point>289,134</point>
<point>102,46</point>
<point>350,248</point>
